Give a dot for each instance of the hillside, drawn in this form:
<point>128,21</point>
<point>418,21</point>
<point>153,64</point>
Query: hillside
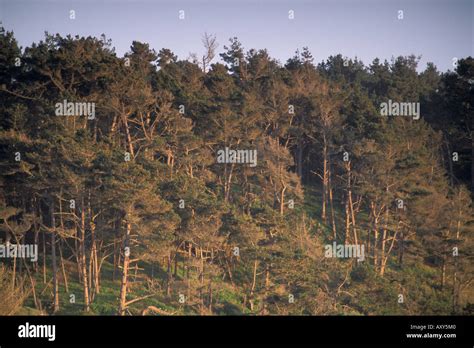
<point>145,184</point>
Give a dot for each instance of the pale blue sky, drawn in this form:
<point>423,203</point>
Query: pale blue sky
<point>438,30</point>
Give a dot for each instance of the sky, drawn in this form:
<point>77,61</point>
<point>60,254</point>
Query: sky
<point>437,30</point>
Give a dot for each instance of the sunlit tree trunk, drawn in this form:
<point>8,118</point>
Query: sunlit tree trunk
<point>125,267</point>
<point>53,261</point>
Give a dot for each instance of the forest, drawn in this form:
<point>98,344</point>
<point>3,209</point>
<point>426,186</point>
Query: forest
<point>230,183</point>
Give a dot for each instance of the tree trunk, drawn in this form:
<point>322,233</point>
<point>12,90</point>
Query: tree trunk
<point>170,275</point>
<point>351,204</point>
<point>129,137</point>
<point>229,182</point>
<point>115,261</point>
<point>331,205</point>
<point>384,239</point>
<point>188,266</point>
<point>82,245</point>
<point>53,260</point>
<point>125,266</point>
<point>376,234</point>
<point>382,252</point>
<point>376,252</point>
<point>93,261</point>
<point>44,258</point>
<point>325,179</point>
<point>36,300</point>
<point>14,267</point>
<point>175,264</point>
<point>455,274</point>
<point>282,199</point>
<point>61,221</point>
<point>455,281</point>
<point>36,238</point>
<point>201,281</point>
<point>252,289</point>
<point>267,284</point>
<point>346,232</point>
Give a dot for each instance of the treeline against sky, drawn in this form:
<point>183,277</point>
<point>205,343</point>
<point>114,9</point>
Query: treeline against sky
<point>110,166</point>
